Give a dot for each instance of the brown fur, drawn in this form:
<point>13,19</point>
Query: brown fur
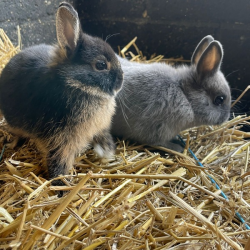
<point>58,56</point>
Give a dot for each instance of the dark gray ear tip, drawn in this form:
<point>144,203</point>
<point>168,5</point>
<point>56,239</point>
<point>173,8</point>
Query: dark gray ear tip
<point>65,4</point>
<point>218,45</point>
<point>69,7</point>
<point>209,37</point>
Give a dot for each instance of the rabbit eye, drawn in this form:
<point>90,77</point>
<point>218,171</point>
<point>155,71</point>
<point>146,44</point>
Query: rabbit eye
<point>100,65</point>
<point>218,101</point>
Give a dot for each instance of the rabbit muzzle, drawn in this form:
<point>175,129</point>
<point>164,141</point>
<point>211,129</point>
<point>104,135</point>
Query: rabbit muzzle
<point>118,81</point>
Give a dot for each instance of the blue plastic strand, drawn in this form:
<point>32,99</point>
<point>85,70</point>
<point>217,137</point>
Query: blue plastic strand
<point>214,182</point>
<point>1,155</point>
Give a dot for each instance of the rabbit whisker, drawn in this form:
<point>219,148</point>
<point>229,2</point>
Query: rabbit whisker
<point>108,36</point>
<point>123,110</point>
<point>232,73</point>
<point>123,97</point>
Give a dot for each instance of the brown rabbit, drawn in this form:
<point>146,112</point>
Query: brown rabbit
<point>63,96</point>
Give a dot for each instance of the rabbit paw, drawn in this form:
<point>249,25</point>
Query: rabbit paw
<point>104,145</point>
<point>174,145</point>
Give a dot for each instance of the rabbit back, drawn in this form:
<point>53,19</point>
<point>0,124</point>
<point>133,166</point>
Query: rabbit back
<point>25,84</point>
<point>147,105</point>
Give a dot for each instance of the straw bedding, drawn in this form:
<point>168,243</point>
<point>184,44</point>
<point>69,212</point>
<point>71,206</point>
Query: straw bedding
<point>144,198</point>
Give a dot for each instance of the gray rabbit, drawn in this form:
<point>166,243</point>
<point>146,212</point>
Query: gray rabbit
<point>63,96</point>
<point>158,101</point>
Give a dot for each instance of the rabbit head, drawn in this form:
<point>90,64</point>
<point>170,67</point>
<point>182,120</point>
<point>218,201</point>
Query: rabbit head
<point>206,87</point>
<point>82,54</point>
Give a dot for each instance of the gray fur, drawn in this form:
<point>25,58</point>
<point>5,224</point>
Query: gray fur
<point>158,101</point>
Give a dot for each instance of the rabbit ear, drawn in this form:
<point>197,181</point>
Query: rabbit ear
<point>210,59</point>
<point>203,44</point>
<point>67,26</point>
